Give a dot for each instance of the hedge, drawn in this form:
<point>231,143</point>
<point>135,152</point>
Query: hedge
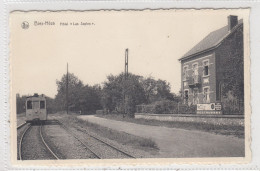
<point>166,107</point>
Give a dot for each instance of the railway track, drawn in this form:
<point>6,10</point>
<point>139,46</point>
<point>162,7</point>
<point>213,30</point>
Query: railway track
<point>32,144</point>
<point>46,145</point>
<point>22,139</point>
<point>97,139</point>
<point>86,146</point>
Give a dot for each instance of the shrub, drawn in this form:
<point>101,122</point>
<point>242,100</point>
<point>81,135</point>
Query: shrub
<point>100,112</point>
<point>166,107</point>
<point>187,109</point>
<point>159,107</point>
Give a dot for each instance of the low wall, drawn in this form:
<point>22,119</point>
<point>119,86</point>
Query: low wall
<point>236,120</point>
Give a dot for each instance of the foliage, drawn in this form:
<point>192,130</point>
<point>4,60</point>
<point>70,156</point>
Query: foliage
<point>166,107</point>
<point>187,109</point>
<point>234,75</point>
<point>156,90</point>
<point>81,97</point>
<point>121,94</point>
<point>20,103</point>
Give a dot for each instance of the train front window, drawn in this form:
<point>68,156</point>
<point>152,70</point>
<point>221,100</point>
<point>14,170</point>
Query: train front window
<point>42,104</point>
<point>36,104</point>
<point>29,104</point>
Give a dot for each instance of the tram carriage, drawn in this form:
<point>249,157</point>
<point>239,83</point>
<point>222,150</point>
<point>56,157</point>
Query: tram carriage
<point>36,108</point>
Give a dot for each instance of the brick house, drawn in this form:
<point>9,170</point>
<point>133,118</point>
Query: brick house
<point>204,67</point>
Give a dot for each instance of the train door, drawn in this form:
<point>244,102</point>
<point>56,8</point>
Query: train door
<point>36,107</point>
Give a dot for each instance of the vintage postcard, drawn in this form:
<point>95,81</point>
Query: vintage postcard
<point>130,87</point>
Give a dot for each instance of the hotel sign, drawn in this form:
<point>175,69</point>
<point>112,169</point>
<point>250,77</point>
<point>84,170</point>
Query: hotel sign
<point>209,108</point>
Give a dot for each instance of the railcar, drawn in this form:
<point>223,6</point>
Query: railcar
<point>36,108</point>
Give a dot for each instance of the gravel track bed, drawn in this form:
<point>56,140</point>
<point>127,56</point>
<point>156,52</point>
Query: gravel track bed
<point>64,144</point>
<point>137,153</point>
<point>33,147</point>
<point>100,148</point>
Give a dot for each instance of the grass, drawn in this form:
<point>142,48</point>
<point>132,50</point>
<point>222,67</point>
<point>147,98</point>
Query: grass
<point>233,130</point>
<point>121,137</point>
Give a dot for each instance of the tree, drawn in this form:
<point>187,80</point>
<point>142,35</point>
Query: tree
<point>84,98</point>
<point>156,90</point>
<point>122,94</point>
<point>234,75</point>
<point>20,103</point>
<point>74,89</point>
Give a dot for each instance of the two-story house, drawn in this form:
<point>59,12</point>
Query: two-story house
<point>205,66</point>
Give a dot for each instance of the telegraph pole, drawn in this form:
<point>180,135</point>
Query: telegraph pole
<point>67,89</point>
<point>126,64</point>
<point>125,84</point>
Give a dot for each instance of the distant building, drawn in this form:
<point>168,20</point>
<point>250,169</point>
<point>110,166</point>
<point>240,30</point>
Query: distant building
<point>205,67</point>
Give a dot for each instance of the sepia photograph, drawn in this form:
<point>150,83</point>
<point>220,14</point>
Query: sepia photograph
<point>148,84</point>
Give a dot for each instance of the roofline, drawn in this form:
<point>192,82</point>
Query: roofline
<point>213,47</point>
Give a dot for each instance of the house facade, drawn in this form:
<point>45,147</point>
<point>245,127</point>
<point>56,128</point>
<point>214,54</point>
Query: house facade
<point>212,64</point>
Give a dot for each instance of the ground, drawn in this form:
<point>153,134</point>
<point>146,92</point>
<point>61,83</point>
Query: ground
<point>174,142</point>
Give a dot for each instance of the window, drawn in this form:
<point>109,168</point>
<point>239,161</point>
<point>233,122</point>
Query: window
<point>206,68</point>
<point>186,96</point>
<point>42,104</point>
<point>195,69</point>
<point>185,72</point>
<point>206,95</point>
<point>195,96</point>
<point>29,104</point>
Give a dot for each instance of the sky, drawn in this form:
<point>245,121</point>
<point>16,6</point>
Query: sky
<point>155,39</point>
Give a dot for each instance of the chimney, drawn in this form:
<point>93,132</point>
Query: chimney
<point>232,22</point>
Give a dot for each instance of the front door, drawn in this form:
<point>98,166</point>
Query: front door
<point>36,108</point>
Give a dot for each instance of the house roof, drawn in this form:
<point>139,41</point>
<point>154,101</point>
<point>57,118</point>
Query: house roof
<point>211,41</point>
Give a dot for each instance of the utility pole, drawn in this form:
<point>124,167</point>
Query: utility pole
<point>125,84</point>
<point>126,63</point>
<point>67,89</point>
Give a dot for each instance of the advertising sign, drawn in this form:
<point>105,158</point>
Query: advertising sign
<point>218,106</point>
<point>208,106</point>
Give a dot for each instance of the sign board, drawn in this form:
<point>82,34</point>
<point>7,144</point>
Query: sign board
<point>218,106</point>
<point>208,106</point>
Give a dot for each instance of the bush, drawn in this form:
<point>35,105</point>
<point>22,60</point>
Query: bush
<point>187,109</point>
<point>100,112</point>
<point>166,107</point>
<point>159,107</point>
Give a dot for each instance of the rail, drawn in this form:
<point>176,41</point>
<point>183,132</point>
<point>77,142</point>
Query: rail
<point>110,145</point>
<point>21,141</point>
<point>46,145</point>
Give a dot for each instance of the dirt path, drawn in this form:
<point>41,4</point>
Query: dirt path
<point>178,142</point>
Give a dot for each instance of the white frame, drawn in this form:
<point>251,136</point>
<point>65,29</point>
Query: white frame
<point>9,5</point>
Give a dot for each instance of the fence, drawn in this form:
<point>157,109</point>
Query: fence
<point>234,106</point>
<point>229,107</point>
